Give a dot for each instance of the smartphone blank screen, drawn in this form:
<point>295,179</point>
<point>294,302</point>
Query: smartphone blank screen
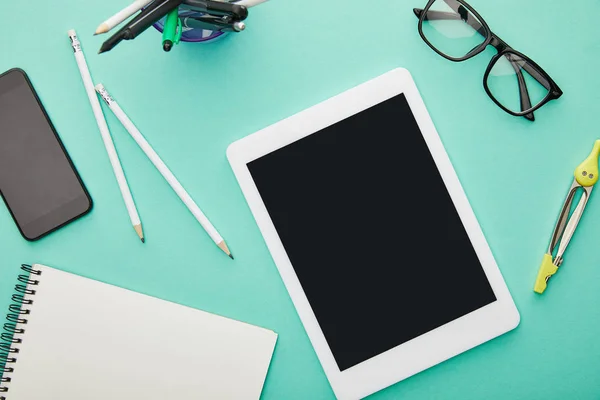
<point>38,182</point>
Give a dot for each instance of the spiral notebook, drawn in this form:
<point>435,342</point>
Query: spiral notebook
<point>73,338</point>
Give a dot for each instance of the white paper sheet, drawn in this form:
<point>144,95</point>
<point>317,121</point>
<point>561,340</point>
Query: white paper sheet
<point>88,340</point>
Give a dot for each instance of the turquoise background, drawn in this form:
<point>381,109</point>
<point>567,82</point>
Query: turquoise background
<point>192,103</point>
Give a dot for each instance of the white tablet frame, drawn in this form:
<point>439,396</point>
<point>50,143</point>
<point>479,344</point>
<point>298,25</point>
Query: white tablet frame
<point>426,350</point>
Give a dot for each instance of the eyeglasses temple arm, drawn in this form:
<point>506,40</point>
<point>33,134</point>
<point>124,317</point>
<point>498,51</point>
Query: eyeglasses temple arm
<point>537,76</point>
<point>523,92</point>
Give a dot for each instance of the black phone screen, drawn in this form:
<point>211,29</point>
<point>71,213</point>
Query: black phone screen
<point>37,179</point>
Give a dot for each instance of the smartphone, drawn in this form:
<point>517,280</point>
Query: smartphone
<point>38,180</point>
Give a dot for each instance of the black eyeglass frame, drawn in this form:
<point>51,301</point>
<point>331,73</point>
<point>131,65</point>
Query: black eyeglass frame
<point>554,92</point>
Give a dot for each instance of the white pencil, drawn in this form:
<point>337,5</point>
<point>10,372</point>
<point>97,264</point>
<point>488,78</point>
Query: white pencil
<point>163,169</point>
<point>108,143</point>
<point>122,15</point>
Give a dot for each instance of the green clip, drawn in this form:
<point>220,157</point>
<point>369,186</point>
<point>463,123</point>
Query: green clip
<point>179,30</point>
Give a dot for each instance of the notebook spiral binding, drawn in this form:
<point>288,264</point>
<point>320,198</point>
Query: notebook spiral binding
<point>10,339</point>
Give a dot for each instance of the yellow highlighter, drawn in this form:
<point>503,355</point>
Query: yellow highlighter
<point>586,176</point>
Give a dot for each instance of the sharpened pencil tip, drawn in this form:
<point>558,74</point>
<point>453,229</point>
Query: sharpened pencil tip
<point>140,232</point>
<point>231,256</point>
<point>223,246</point>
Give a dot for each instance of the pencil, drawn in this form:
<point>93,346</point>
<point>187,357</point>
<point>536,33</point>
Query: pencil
<point>122,16</point>
<point>164,170</point>
<point>108,143</point>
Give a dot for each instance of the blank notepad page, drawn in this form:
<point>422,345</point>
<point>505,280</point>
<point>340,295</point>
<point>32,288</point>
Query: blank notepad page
<point>88,340</point>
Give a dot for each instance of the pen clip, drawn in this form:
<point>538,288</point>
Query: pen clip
<point>179,30</point>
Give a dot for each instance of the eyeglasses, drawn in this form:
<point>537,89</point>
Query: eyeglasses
<point>454,30</point>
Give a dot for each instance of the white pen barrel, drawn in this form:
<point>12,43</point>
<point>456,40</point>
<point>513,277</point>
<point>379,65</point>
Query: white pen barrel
<point>103,127</point>
<point>126,13</point>
<point>250,3</point>
<point>161,166</point>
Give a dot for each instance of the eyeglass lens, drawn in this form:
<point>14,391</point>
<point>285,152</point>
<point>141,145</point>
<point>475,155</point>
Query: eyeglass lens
<point>452,29</point>
<point>508,78</point>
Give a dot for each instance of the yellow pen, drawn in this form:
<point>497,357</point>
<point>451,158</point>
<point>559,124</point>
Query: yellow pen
<point>586,176</point>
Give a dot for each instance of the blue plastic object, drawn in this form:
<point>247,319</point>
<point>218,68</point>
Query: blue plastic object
<point>193,35</point>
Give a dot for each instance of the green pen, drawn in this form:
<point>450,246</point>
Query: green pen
<point>172,29</point>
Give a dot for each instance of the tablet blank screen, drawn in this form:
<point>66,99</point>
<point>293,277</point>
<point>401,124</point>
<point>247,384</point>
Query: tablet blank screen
<point>371,232</point>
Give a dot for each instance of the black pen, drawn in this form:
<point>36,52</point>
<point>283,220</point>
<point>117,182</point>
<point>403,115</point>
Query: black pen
<point>155,11</point>
<point>236,11</point>
<point>212,23</point>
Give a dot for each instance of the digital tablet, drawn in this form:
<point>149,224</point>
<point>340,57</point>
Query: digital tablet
<point>373,235</point>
